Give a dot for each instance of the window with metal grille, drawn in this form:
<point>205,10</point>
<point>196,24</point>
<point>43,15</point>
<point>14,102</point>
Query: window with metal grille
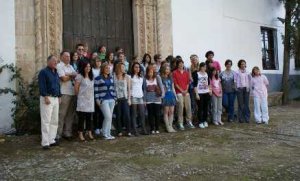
<point>269,48</point>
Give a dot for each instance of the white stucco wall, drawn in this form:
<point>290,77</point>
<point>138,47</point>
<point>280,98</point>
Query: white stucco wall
<point>231,28</point>
<point>7,55</point>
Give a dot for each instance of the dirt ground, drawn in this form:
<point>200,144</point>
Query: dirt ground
<point>231,152</point>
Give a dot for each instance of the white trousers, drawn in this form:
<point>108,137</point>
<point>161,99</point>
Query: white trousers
<point>261,112</point>
<point>49,120</point>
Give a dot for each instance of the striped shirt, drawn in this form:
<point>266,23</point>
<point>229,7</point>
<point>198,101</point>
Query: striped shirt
<point>104,88</point>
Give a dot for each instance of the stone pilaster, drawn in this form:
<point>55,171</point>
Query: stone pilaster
<point>164,27</point>
<point>152,20</point>
<point>48,23</point>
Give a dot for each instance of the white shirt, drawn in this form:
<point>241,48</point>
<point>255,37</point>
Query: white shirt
<point>66,87</point>
<point>96,72</point>
<point>137,87</point>
<point>202,83</point>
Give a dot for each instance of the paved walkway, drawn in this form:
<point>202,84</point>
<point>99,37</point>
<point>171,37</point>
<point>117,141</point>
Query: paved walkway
<point>232,152</point>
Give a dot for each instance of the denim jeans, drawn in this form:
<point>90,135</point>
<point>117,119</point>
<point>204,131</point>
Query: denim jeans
<point>228,103</point>
<point>107,108</point>
<point>216,108</point>
<point>138,110</point>
<point>123,115</point>
<point>243,104</point>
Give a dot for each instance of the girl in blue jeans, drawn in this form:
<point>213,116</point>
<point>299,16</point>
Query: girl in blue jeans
<point>227,80</point>
<point>105,98</point>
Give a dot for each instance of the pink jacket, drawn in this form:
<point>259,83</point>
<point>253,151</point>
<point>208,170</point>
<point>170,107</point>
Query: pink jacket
<point>259,86</point>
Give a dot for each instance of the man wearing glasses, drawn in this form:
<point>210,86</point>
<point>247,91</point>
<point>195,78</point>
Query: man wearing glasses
<point>81,58</point>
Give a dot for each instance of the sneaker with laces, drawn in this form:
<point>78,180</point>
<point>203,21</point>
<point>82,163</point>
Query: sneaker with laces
<point>190,125</point>
<point>205,124</point>
<point>201,125</point>
<point>216,123</point>
<point>180,126</point>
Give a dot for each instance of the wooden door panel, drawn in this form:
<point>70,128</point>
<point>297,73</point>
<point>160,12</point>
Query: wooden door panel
<point>98,22</point>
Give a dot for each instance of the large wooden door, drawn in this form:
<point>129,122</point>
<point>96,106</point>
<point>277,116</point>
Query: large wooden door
<point>98,22</point>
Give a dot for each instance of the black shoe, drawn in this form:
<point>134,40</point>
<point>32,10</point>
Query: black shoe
<point>145,133</point>
<point>57,140</point>
<point>46,147</point>
<point>54,144</point>
<point>68,138</point>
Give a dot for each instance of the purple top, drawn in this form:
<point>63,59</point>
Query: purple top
<point>242,79</point>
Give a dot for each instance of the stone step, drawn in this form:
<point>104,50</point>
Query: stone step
<point>274,99</point>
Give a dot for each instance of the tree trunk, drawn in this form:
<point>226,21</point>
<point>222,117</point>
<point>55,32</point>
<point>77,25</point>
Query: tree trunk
<point>287,52</point>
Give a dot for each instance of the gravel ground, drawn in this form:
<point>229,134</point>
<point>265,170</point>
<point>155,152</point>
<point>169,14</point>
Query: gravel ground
<point>231,152</point>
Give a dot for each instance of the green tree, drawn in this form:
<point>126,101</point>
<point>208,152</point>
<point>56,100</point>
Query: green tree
<point>291,41</point>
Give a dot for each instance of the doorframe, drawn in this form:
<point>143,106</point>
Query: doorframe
<point>152,28</point>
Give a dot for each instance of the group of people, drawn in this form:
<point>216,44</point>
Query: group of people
<point>102,90</point>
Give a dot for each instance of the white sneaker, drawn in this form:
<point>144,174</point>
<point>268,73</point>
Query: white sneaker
<point>205,124</point>
<point>109,138</point>
<point>201,125</point>
<point>216,123</point>
<point>180,126</point>
<point>97,132</point>
<point>157,132</point>
<point>190,125</point>
<point>152,132</point>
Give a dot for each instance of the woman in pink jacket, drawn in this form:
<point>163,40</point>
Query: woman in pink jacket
<point>259,91</point>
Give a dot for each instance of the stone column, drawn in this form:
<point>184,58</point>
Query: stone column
<point>48,34</point>
<point>164,27</point>
<point>152,21</point>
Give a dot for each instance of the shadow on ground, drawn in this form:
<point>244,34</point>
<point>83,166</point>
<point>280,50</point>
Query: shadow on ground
<point>231,152</point>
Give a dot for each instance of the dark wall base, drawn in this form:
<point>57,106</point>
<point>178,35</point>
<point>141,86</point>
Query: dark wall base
<point>276,82</point>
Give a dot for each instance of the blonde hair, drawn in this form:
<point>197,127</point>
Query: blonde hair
<point>255,68</point>
<point>103,66</point>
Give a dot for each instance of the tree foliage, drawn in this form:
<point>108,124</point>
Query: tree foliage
<point>291,41</point>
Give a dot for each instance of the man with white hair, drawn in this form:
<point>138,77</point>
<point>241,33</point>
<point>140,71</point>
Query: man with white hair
<point>50,94</point>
